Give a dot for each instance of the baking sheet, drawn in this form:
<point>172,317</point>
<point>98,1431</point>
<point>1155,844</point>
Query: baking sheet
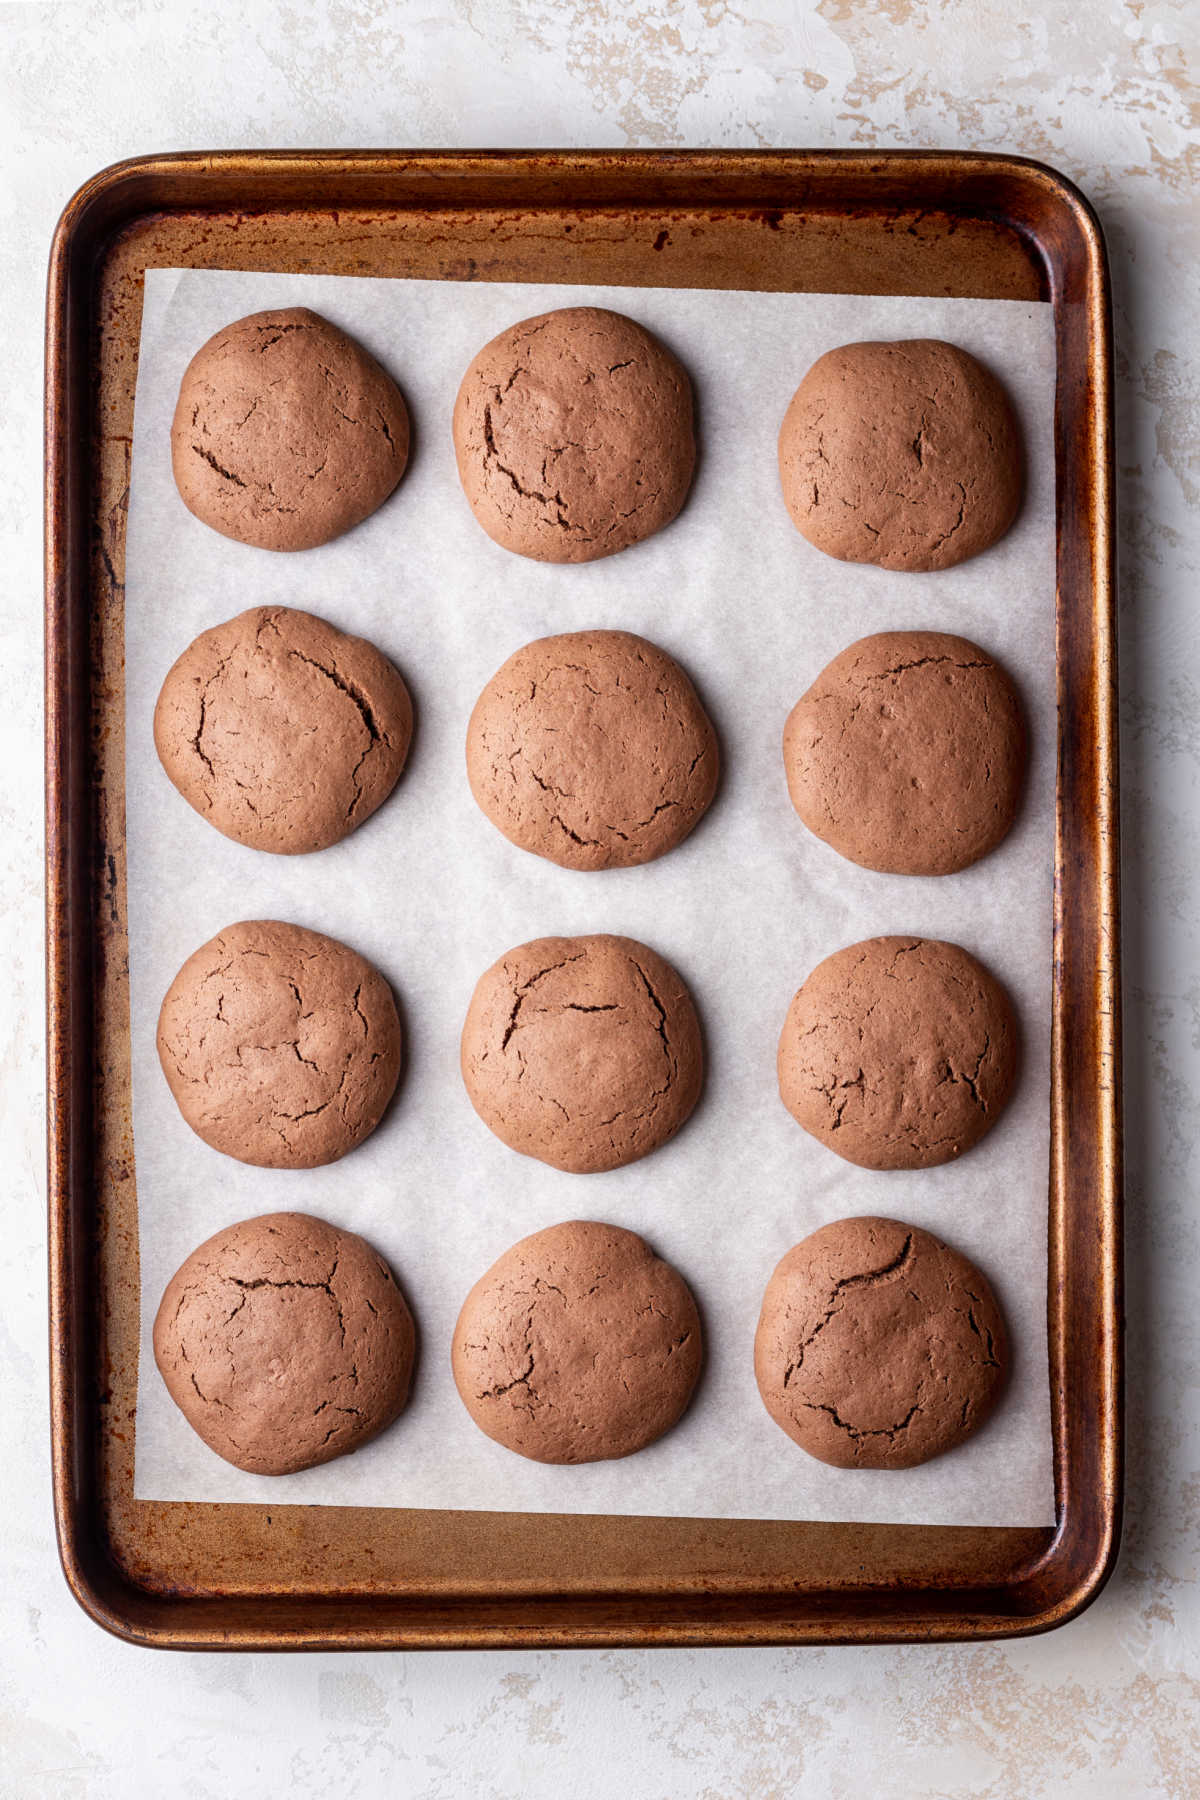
<point>432,893</point>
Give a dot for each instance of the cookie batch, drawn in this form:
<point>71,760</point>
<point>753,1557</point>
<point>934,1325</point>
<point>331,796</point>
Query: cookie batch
<point>286,1340</point>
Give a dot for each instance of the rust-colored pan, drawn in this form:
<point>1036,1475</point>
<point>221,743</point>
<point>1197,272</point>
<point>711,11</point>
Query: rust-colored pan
<point>291,1577</point>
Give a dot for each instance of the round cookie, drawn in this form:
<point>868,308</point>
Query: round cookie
<point>898,1053</point>
<point>281,731</point>
<point>573,434</point>
<point>907,753</point>
<point>281,1046</point>
<point>578,1345</point>
<point>592,749</point>
<point>878,1346</point>
<point>583,1052</point>
<point>284,1342</point>
<point>286,431</point>
<point>906,455</point>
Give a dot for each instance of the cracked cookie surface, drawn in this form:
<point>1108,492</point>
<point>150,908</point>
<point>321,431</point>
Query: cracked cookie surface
<point>280,1045</point>
<point>578,1345</point>
<point>285,1342</point>
<point>592,749</point>
<point>906,455</point>
<point>898,1052</point>
<point>907,754</point>
<point>584,1052</point>
<point>286,432</point>
<point>282,731</point>
<point>573,434</point>
<point>878,1346</point>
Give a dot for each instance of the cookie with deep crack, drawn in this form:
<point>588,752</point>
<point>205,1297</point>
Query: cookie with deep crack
<point>907,754</point>
<point>592,749</point>
<point>285,1342</point>
<point>906,455</point>
<point>283,732</point>
<point>578,1345</point>
<point>584,1052</point>
<point>898,1052</point>
<point>574,437</point>
<point>286,432</point>
<point>280,1045</point>
<point>878,1346</point>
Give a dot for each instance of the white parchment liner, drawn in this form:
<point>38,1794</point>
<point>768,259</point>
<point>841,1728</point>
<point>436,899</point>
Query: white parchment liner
<point>433,894</point>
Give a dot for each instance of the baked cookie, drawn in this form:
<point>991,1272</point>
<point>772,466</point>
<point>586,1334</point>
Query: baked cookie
<point>573,434</point>
<point>906,455</point>
<point>577,1346</point>
<point>878,1346</point>
<point>281,1046</point>
<point>281,731</point>
<point>592,749</point>
<point>584,1052</point>
<point>907,753</point>
<point>284,1342</point>
<point>286,431</point>
<point>899,1053</point>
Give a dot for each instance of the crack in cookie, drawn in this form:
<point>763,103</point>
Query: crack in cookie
<point>281,1046</point>
<point>574,436</point>
<point>582,1052</point>
<point>878,1346</point>
<point>898,1053</point>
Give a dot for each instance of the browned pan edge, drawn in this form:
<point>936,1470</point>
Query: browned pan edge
<point>294,1577</point>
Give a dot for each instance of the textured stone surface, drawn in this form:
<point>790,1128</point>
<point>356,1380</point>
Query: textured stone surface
<point>1103,1710</point>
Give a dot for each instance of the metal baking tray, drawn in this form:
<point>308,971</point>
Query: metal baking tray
<point>292,1577</point>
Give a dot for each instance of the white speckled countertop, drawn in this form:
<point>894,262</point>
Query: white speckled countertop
<point>1109,92</point>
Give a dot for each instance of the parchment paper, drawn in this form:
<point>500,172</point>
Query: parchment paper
<point>432,893</point>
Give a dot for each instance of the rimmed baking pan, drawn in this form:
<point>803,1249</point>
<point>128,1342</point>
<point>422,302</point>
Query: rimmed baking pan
<point>230,1576</point>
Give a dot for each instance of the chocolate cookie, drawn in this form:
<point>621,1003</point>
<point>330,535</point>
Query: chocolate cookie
<point>899,1053</point>
<point>878,1346</point>
<point>905,455</point>
<point>592,749</point>
<point>584,1052</point>
<point>907,753</point>
<point>573,433</point>
<point>284,1342</point>
<point>281,1046</point>
<point>577,1346</point>
<point>281,731</point>
<point>286,432</point>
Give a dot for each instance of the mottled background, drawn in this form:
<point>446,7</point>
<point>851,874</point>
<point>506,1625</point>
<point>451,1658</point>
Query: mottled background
<point>1107,91</point>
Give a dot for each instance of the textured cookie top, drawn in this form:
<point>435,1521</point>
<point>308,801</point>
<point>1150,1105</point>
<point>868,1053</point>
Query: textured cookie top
<point>284,1342</point>
<point>573,433</point>
<point>878,1346</point>
<point>286,431</point>
<point>906,455</point>
<point>281,731</point>
<point>899,1052</point>
<point>907,753</point>
<point>578,1345</point>
<point>583,1052</point>
<point>592,749</point>
<point>281,1046</point>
